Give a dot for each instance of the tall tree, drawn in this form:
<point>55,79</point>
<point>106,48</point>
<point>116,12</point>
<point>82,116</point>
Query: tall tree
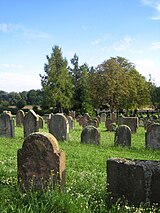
<point>57,81</point>
<point>81,96</point>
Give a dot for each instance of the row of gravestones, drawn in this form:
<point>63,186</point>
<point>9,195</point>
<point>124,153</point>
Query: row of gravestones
<point>42,165</point>
<point>59,126</point>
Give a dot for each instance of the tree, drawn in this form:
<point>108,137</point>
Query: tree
<point>118,84</point>
<point>81,78</point>
<point>57,81</point>
<point>34,97</point>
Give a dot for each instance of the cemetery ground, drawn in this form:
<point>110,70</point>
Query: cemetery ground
<point>85,189</point>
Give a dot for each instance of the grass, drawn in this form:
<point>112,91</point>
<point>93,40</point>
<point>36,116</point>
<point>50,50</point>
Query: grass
<point>85,175</point>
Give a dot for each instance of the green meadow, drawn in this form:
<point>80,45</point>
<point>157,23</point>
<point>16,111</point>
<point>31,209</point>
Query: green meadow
<point>85,175</point>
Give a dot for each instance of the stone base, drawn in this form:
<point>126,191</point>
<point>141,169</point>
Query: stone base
<point>134,181</point>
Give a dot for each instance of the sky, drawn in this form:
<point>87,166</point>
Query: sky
<point>93,29</point>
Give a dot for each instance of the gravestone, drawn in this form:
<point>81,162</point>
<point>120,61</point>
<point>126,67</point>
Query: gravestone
<point>83,121</point>
<point>90,135</point>
<point>113,117</point>
<point>152,136</point>
<point>86,116</point>
<point>31,123</point>
<point>133,181</point>
<point>71,122</point>
<point>40,122</point>
<point>122,136</point>
<point>72,114</point>
<point>7,128</point>
<point>59,126</point>
<point>93,122</point>
<point>20,118</point>
<point>110,125</point>
<point>132,122</point>
<point>41,164</point>
<point>103,117</point>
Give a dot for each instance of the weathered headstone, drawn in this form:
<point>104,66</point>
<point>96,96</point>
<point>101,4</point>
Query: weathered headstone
<point>72,114</point>
<point>71,122</point>
<point>113,117</point>
<point>20,118</point>
<point>41,164</point>
<point>31,123</point>
<point>83,121</point>
<point>103,117</point>
<point>132,122</point>
<point>91,135</point>
<point>7,128</point>
<point>110,125</point>
<point>133,181</point>
<point>40,122</point>
<point>122,136</point>
<point>86,116</point>
<point>59,126</point>
<point>93,122</point>
<point>152,136</point>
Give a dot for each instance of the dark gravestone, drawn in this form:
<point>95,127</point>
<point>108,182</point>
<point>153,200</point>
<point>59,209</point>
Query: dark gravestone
<point>132,122</point>
<point>20,118</point>
<point>31,123</point>
<point>7,128</point>
<point>133,181</point>
<point>90,135</point>
<point>152,136</point>
<point>122,136</point>
<point>59,126</point>
<point>41,164</point>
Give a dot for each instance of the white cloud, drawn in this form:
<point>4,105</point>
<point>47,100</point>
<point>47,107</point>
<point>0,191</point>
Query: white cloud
<point>31,34</point>
<point>18,82</point>
<point>8,27</point>
<point>155,4</point>
<point>103,38</point>
<point>17,66</point>
<point>155,46</point>
<point>123,44</point>
<point>148,67</point>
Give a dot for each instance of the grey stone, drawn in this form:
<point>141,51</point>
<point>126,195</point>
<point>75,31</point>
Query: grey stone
<point>31,123</point>
<point>7,128</point>
<point>20,118</point>
<point>59,126</point>
<point>133,181</point>
<point>152,136</point>
<point>91,135</point>
<point>122,136</point>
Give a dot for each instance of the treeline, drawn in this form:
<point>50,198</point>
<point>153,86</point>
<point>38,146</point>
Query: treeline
<point>20,99</point>
<point>115,84</point>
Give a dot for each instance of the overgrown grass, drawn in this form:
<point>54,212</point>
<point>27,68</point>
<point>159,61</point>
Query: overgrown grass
<point>85,175</point>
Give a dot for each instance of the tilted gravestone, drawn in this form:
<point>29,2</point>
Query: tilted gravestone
<point>122,136</point>
<point>20,118</point>
<point>41,164</point>
<point>91,135</point>
<point>7,128</point>
<point>31,123</point>
<point>59,126</point>
<point>152,136</point>
<point>133,181</point>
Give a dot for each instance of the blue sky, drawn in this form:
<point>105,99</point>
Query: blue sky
<point>93,29</point>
